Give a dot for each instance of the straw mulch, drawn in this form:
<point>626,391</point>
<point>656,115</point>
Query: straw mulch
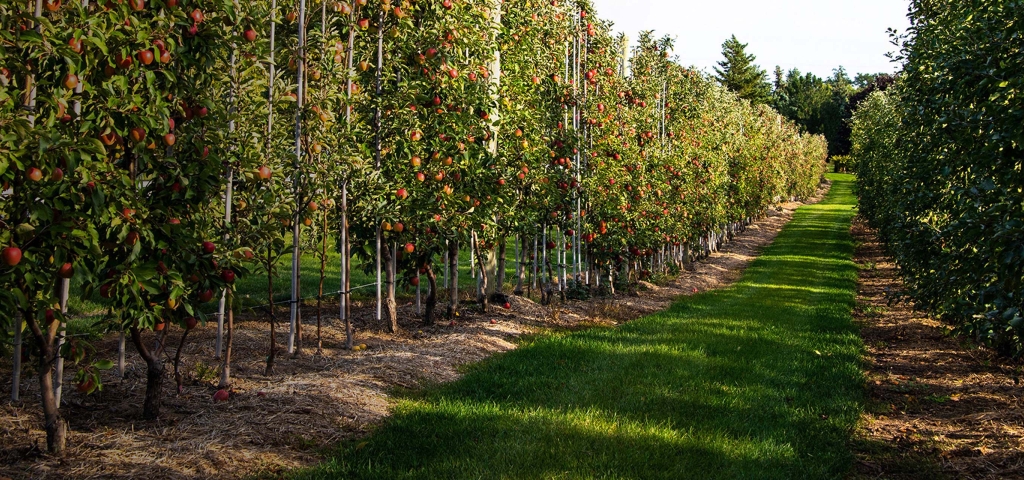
<point>938,406</point>
<point>271,424</point>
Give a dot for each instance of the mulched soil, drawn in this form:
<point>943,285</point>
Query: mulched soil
<point>938,406</point>
<point>313,401</point>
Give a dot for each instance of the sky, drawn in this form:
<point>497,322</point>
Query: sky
<point>811,35</point>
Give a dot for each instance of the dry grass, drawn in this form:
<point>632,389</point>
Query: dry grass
<point>275,423</point>
<point>938,405</point>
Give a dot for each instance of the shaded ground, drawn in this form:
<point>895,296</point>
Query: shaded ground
<point>314,401</point>
<point>758,380</point>
<point>939,407</point>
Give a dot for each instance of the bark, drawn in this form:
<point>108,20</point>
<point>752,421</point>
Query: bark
<point>431,301</point>
<point>499,274</point>
<point>481,294</point>
<point>347,254</point>
<point>54,425</point>
<point>320,292</point>
<point>453,279</point>
<point>154,376</point>
<point>390,307</point>
<point>298,317</point>
<point>178,380</point>
<point>225,372</point>
<point>520,266</point>
<point>272,354</point>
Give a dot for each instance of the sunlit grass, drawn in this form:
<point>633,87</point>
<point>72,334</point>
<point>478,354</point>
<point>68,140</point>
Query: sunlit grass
<point>759,380</point>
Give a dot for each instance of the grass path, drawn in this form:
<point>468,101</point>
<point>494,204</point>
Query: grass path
<point>758,380</point>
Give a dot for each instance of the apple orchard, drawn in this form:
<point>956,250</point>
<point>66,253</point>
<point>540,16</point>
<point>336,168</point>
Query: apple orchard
<point>152,152</point>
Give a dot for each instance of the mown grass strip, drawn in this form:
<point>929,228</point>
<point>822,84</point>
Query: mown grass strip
<point>759,380</point>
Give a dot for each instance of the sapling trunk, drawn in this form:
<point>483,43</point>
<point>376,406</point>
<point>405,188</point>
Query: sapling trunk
<point>453,285</point>
<point>178,380</point>
<point>388,257</point>
<point>154,375</point>
<point>320,291</point>
<point>481,294</point>
<point>53,422</point>
<point>520,265</point>
<point>431,301</point>
<point>225,372</point>
<point>499,274</point>
<point>272,354</point>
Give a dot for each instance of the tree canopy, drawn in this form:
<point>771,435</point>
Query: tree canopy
<point>738,73</point>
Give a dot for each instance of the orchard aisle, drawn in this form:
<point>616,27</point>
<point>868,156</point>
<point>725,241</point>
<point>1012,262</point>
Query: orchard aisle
<point>758,380</point>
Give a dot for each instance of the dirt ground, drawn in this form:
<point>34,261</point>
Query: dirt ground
<point>938,406</point>
<point>271,424</point>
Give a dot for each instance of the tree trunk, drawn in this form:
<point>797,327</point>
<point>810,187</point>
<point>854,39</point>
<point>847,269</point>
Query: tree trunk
<point>154,376</point>
<point>388,257</point>
<point>453,283</point>
<point>481,261</point>
<point>225,372</point>
<point>55,426</point>
<point>499,273</point>
<point>431,302</point>
<point>272,354</point>
<point>320,291</point>
<point>520,265</point>
<point>178,379</point>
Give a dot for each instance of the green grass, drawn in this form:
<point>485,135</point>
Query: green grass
<point>759,380</point>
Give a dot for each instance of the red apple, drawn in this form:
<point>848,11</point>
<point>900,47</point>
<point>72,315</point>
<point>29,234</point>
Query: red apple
<point>250,35</point>
<point>264,172</point>
<point>66,271</point>
<point>169,139</point>
<point>123,61</point>
<point>34,174</point>
<point>364,23</point>
<point>312,206</point>
<point>447,4</point>
<point>409,248</point>
<point>196,16</point>
<point>206,296</point>
<point>209,248</point>
<point>137,134</point>
<point>402,194</point>
<point>414,281</point>
<point>71,81</point>
<point>191,323</point>
<point>11,256</point>
<point>86,386</point>
<point>146,57</point>
<point>221,396</point>
<point>137,5</point>
<point>508,306</point>
<point>228,276</point>
<point>57,175</point>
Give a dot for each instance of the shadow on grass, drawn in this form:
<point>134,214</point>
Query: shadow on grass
<point>759,380</point>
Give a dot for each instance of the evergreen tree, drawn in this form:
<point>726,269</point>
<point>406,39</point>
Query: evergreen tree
<point>740,74</point>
